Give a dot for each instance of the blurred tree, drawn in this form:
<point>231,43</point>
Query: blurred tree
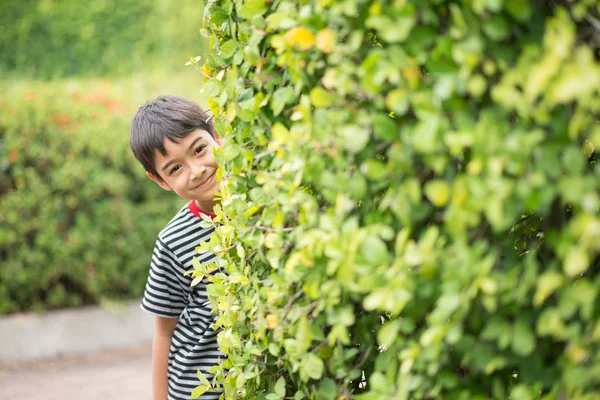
<point>58,38</point>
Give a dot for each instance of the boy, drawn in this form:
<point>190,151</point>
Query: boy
<point>173,138</point>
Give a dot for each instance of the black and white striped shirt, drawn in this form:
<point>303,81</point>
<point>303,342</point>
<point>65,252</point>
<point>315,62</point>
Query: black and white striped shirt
<point>169,294</point>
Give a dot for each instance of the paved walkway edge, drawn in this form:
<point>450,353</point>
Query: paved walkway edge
<point>71,332</point>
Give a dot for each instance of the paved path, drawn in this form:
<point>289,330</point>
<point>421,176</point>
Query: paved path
<point>117,375</point>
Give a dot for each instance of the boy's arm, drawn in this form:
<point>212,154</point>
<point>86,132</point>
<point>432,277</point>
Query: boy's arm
<point>163,333</point>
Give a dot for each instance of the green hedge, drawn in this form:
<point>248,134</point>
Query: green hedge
<point>49,39</point>
<point>413,198</point>
<point>78,218</point>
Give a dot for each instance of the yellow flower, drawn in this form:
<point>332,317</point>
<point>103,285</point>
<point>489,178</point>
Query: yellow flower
<point>300,38</point>
<point>326,39</point>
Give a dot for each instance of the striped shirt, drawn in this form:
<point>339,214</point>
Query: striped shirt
<point>168,294</point>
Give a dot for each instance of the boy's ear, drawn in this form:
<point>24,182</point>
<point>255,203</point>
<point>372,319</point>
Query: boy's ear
<point>159,181</point>
<point>218,139</point>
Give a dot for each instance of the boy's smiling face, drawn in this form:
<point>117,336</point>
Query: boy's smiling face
<point>189,168</point>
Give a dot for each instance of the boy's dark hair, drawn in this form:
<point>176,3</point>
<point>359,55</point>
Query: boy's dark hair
<point>171,117</point>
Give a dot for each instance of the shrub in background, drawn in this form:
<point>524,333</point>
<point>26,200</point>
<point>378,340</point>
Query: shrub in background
<point>77,219</point>
<point>412,199</point>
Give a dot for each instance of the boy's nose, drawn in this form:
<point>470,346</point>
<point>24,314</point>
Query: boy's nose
<point>197,171</point>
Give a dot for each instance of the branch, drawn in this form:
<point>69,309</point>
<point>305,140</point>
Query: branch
<point>267,229</point>
<point>226,249</point>
<point>594,22</point>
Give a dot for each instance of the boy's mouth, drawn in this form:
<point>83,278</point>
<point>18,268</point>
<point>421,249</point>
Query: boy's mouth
<point>206,183</point>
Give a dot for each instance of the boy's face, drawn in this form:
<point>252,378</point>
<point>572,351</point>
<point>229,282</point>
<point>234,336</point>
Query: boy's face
<point>189,168</point>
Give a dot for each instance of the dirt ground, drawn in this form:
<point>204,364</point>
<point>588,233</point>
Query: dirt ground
<point>113,375</point>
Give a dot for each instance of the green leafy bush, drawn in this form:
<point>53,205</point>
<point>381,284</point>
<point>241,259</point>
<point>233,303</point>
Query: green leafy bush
<point>77,219</point>
<point>49,39</point>
<point>412,196</point>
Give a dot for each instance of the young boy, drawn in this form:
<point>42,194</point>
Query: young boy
<point>174,138</point>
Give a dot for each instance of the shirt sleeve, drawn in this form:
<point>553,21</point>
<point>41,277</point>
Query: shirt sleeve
<point>164,296</point>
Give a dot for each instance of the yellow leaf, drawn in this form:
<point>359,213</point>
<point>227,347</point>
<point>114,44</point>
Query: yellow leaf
<point>271,321</point>
<point>279,220</point>
<point>251,211</point>
<point>576,263</point>
<point>438,192</point>
<point>328,80</point>
<point>271,240</point>
<point>588,148</point>
<point>547,284</point>
<point>206,70</point>
<point>198,391</point>
<point>474,167</point>
<point>540,75</point>
<point>576,353</point>
<point>300,38</point>
<point>326,39</point>
<point>320,98</point>
<point>488,286</point>
<point>412,75</point>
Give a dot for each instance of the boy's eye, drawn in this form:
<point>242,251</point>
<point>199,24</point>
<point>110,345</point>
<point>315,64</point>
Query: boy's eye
<point>174,169</point>
<point>199,149</point>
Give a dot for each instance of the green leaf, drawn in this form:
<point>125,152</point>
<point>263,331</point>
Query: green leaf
<point>217,16</point>
<point>375,300</point>
<point>576,262</point>
<point>353,137</point>
<point>388,333</point>
<point>231,151</point>
<point>228,48</point>
<point>393,30</point>
<point>299,395</point>
<point>320,98</point>
<point>494,328</point>
<point>438,192</point>
<point>196,280</point>
<point>252,8</point>
<point>425,135</point>
<point>281,97</point>
<point>547,284</point>
<point>397,101</point>
<point>304,334</point>
<point>280,386</point>
<point>327,390</point>
<point>519,9</point>
<point>494,5</point>
<point>521,392</point>
<point>195,262</point>
<point>374,170</point>
<point>199,391</point>
<point>441,66</point>
<point>379,383</point>
<point>497,28</point>
<point>313,366</point>
<point>374,250</point>
<point>203,378</point>
<point>523,339</point>
<point>384,127</point>
<point>273,349</point>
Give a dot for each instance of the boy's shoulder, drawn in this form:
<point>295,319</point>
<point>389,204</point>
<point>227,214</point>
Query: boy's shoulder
<point>184,217</point>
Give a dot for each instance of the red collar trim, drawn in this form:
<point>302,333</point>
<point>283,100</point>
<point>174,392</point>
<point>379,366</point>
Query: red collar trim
<point>198,212</point>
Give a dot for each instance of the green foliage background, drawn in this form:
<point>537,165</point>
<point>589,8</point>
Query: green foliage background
<point>57,38</point>
<point>78,217</point>
<point>412,198</point>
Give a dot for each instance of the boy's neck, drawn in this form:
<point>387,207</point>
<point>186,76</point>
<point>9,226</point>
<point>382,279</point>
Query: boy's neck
<point>198,211</point>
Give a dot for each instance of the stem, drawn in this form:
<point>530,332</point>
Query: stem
<point>226,249</point>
